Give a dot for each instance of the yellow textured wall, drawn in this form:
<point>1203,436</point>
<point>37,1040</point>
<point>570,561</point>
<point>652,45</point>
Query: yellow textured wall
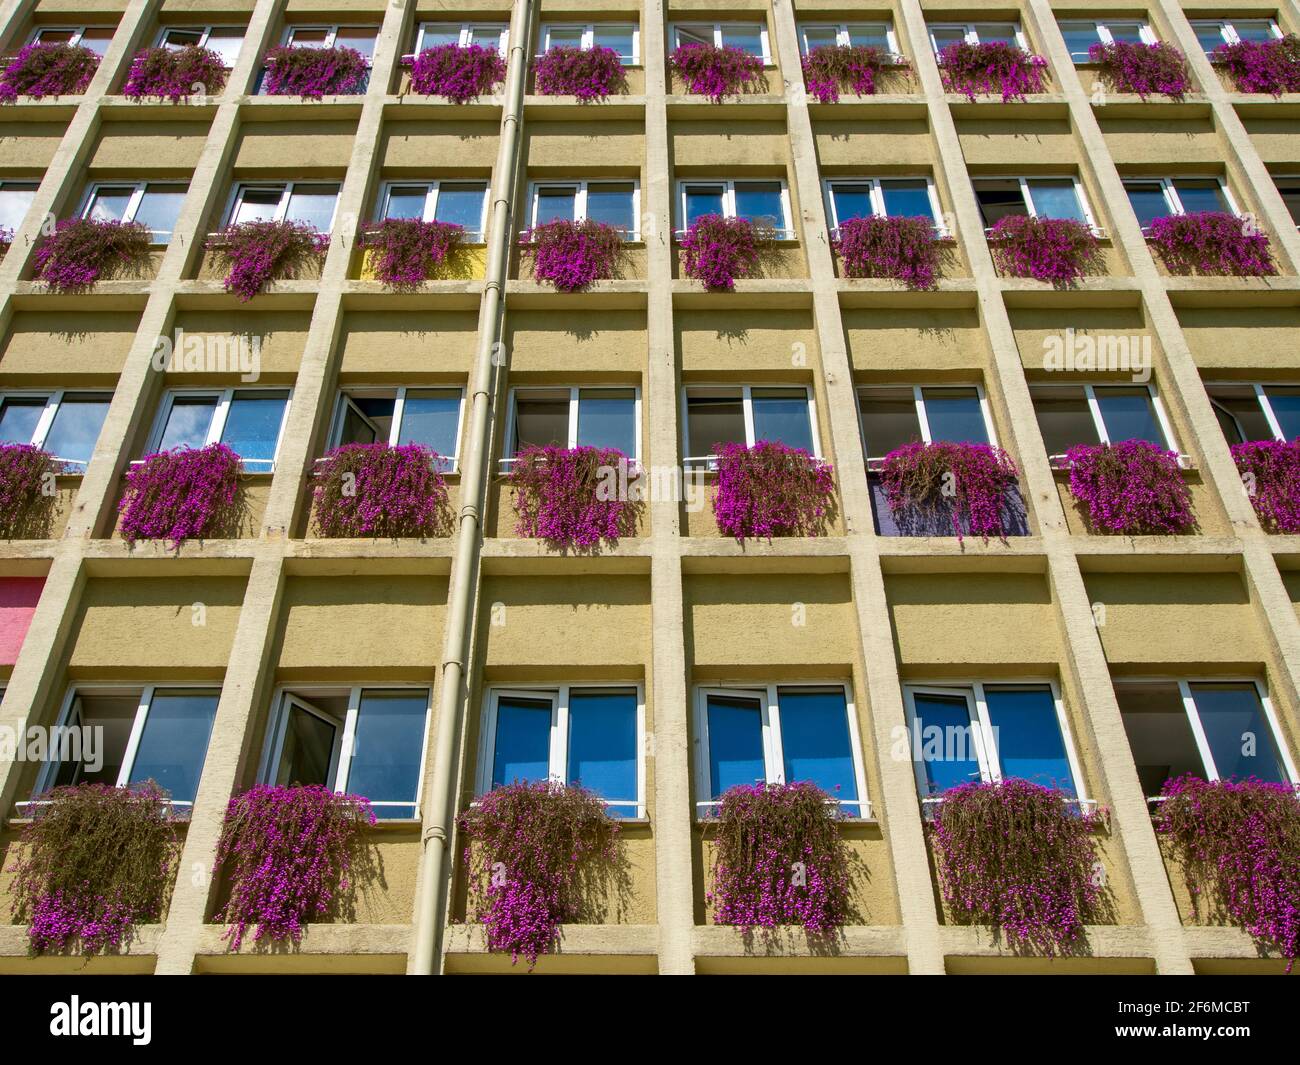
<point>576,149</point>
<point>579,341</point>
<point>461,148</point>
<point>391,346</point>
<point>752,344</point>
<point>1237,340</point>
<point>28,147</point>
<point>83,348</point>
<point>122,146</point>
<point>304,148</point>
<point>853,147</point>
<point>281,336</point>
<point>910,343</point>
<point>1167,140</point>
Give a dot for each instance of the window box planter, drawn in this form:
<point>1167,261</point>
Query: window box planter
<point>575,498</point>
<point>41,70</point>
<point>770,490</point>
<point>374,490</point>
<point>1212,243</point>
<point>992,68</point>
<point>1262,66</point>
<point>707,70</point>
<point>948,489</point>
<point>83,251</point>
<point>589,74</point>
<point>1058,251</point>
<point>860,69</point>
<point>456,73</point>
<point>717,251</point>
<point>907,250</point>
<point>1130,488</point>
<point>175,75</point>
<point>1145,69</point>
<point>255,253</point>
<point>314,73</point>
<point>573,255</point>
<point>1270,472</point>
<point>187,493</point>
<point>405,252</point>
<point>29,495</point>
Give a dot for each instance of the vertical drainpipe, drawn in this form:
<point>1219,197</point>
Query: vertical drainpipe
<point>440,810</point>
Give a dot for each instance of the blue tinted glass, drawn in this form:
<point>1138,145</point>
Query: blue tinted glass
<point>313,204</point>
<point>1147,200</point>
<point>757,200</point>
<point>602,743</point>
<point>852,201</point>
<point>701,201</point>
<point>388,749</point>
<point>619,38</point>
<point>188,422</point>
<point>523,741</point>
<point>175,741</point>
<point>159,208</point>
<point>1128,32</point>
<point>1078,39</point>
<point>607,419</point>
<point>735,743</point>
<point>253,427</point>
<point>1256,32</point>
<point>781,414</point>
<point>555,204</point>
<point>1210,36</point>
<point>611,204</point>
<point>431,419</point>
<point>955,415</point>
<point>406,202</point>
<point>436,36</point>
<point>1200,196</point>
<point>1056,198</point>
<point>869,36</point>
<point>18,419</point>
<point>1128,414</point>
<point>1238,733</point>
<point>815,741</point>
<point>746,38</point>
<point>461,205</point>
<point>945,740</point>
<point>1286,408</point>
<point>1028,736</point>
<point>907,199</point>
<point>76,428</point>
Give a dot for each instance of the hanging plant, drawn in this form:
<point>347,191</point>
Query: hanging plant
<point>1021,858</point>
<point>82,251</point>
<point>995,68</point>
<point>967,483</point>
<point>1270,470</point>
<point>314,72</point>
<point>779,859</point>
<point>459,74</point>
<point>375,490</point>
<point>575,497</point>
<point>175,74</point>
<point>94,863</point>
<point>556,848</point>
<point>830,68</point>
<point>1146,69</point>
<point>40,70</point>
<point>183,494</point>
<point>1131,488</point>
<point>258,252</point>
<point>1059,251</point>
<point>587,73</point>
<point>408,251</point>
<point>571,255</point>
<point>904,249</point>
<point>1211,242</point>
<point>715,72</point>
<point>717,251</point>
<point>28,496</point>
<point>771,490</point>
<point>1262,66</point>
<point>288,854</point>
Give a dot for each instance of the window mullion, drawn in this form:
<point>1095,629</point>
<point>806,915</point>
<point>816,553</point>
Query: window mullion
<point>344,769</point>
<point>559,734</point>
<point>1266,405</point>
<point>774,770</point>
<point>133,741</point>
<point>218,424</point>
<point>46,419</point>
<point>1094,408</point>
<point>747,404</point>
<point>922,418</point>
<point>573,418</point>
<point>1198,730</point>
<point>986,747</point>
<point>399,412</point>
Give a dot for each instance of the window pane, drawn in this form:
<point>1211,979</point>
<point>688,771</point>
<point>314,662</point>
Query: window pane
<point>944,736</point>
<point>889,419</point>
<point>1288,187</point>
<point>97,39</point>
<point>362,38</point>
<point>301,37</point>
<point>313,204</point>
<point>1239,736</point>
<point>367,419</point>
<point>1201,196</point>
<point>159,209</point>
<point>406,201</point>
<point>388,749</point>
<point>1128,32</point>
<point>1079,37</point>
<point>108,203</point>
<point>114,715</point>
<point>955,415</point>
<point>175,741</point>
<point>702,200</point>
<point>76,427</point>
<point>1158,733</point>
<point>735,742</point>
<point>869,35</point>
<point>607,418</point>
<point>713,420</point>
<point>1240,416</point>
<point>258,205</point>
<point>253,427</point>
<point>946,35</point>
<point>1056,198</point>
<point>15,199</point>
<point>176,39</point>
<point>307,750</point>
<point>461,204</point>
<point>435,36</point>
<point>564,37</point>
<point>781,414</point>
<point>431,417</point>
<point>541,420</point>
<point>55,36</point>
<point>1209,34</point>
<point>746,38</point>
<point>1257,31</point>
<point>226,43</point>
<point>907,199</point>
<point>820,37</point>
<point>523,741</point>
<point>618,38</point>
<point>556,203</point>
<point>602,744</point>
<point>998,198</point>
<point>1064,418</point>
<point>997,33</point>
<point>1128,414</point>
<point>188,422</point>
<point>1286,409</point>
<point>851,201</point>
<point>760,200</point>
<point>695,35</point>
<point>19,418</point>
<point>1148,201</point>
<point>488,35</point>
<point>815,741</point>
<point>1028,736</point>
<point>612,204</point>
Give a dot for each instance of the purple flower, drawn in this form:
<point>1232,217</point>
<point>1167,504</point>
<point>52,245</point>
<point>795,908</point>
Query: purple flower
<point>717,250</point>
<point>574,497</point>
<point>571,255</point>
<point>182,494</point>
<point>82,250</point>
<point>315,72</point>
<point>258,252</point>
<point>459,74</point>
<point>1270,469</point>
<point>1262,66</point>
<point>715,72</point>
<point>771,489</point>
<point>905,249</point>
<point>175,74</point>
<point>1056,250</point>
<point>587,73</point>
<point>829,68</point>
<point>997,68</point>
<point>40,70</point>
<point>375,490</point>
<point>1131,488</point>
<point>26,505</point>
<point>408,250</point>
<point>1211,242</point>
<point>967,482</point>
<point>1146,69</point>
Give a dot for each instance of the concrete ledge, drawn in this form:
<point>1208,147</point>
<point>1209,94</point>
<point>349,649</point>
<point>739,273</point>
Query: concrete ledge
<point>1126,943</point>
<point>582,949</point>
<point>136,957</point>
<point>334,948</point>
<point>877,941</point>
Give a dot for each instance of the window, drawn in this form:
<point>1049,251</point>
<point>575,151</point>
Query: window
<point>66,424</point>
<point>1256,412</point>
<point>461,203</point>
<point>574,417</point>
<point>293,201</point>
<point>224,40</point>
<point>360,741</point>
<point>1080,36</point>
<point>1214,32</point>
<point>616,203</point>
<point>1288,187</point>
<point>484,34</point>
<point>780,734</point>
<point>623,38</point>
<point>882,198</point>
<point>852,34</point>
<point>15,199</point>
<point>1153,198</point>
<point>153,204</point>
<point>943,34</point>
<point>96,38</point>
<point>359,38</point>
<point>894,415</point>
<point>1099,414</point>
<point>992,732</point>
<point>1217,729</point>
<point>591,736</point>
<point>158,733</point>
<point>1037,197</point>
<point>746,415</point>
<point>427,416</point>
<point>750,37</point>
<point>766,202</point>
<point>250,421</point>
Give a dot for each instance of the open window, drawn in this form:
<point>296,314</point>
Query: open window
<point>1153,198</point>
<point>1081,36</point>
<point>94,38</point>
<point>574,417</point>
<point>1036,197</point>
<point>310,202</point>
<point>250,421</point>
<point>484,34</point>
<point>65,424</point>
<point>943,34</point>
<point>746,414</point>
<point>894,415</point>
<point>620,37</point>
<point>1256,411</point>
<point>224,40</point>
<point>749,37</point>
<point>912,197</point>
<point>764,202</point>
<point>1213,32</point>
<point>878,35</point>
<point>430,417</point>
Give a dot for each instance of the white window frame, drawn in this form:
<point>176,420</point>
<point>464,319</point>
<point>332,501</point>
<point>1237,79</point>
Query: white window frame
<point>985,739</point>
<point>1104,35</point>
<point>710,462</point>
<point>36,185</point>
<point>1228,28</point>
<point>1089,218</point>
<point>332,33</point>
<point>972,35</point>
<point>399,409</point>
<point>50,768</point>
<point>728,187</point>
<point>78,32</point>
<point>768,697</point>
<point>219,415</point>
<point>1174,201</point>
<point>589,37</point>
<point>875,463</point>
<point>286,194</point>
<point>431,189</point>
<point>1059,462</point>
<point>574,402</point>
<point>558,757</point>
<point>205,32</point>
<point>844,37</point>
<point>340,768</point>
<point>718,27</point>
<point>53,400</point>
<point>133,207</point>
<point>466,35</point>
<point>1261,397</point>
<point>877,192</point>
<point>579,188</point>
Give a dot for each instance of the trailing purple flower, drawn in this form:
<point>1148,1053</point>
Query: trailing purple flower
<point>996,68</point>
<point>175,74</point>
<point>459,74</point>
<point>904,249</point>
<point>571,255</point>
<point>40,70</point>
<point>81,251</point>
<point>1146,69</point>
<point>1057,250</point>
<point>717,250</point>
<point>830,68</point>
<point>1131,488</point>
<point>1262,66</point>
<point>408,250</point>
<point>314,72</point>
<point>179,495</point>
<point>575,497</point>
<point>27,499</point>
<point>587,73</point>
<point>258,252</point>
<point>1211,242</point>
<point>966,482</point>
<point>1270,470</point>
<point>770,490</point>
<point>375,490</point>
<point>715,72</point>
